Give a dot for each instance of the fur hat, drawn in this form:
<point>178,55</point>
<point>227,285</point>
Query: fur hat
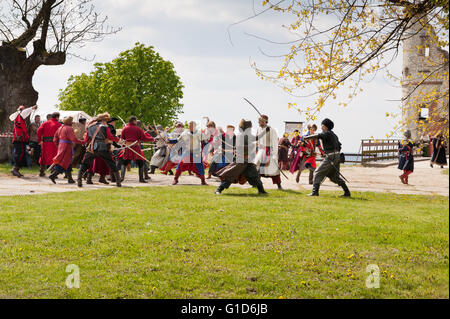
<point>328,123</point>
<point>244,125</point>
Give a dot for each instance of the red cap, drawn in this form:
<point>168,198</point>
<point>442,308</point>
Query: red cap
<point>21,107</point>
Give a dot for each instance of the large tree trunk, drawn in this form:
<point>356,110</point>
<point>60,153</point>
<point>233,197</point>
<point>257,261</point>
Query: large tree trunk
<point>16,84</point>
<point>16,89</point>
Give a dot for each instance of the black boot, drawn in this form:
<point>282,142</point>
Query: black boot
<point>122,173</point>
<point>315,191</point>
<point>219,190</point>
<point>42,171</point>
<point>80,178</point>
<point>141,175</point>
<point>89,178</point>
<point>70,178</point>
<point>53,176</point>
<point>117,178</point>
<point>146,174</point>
<point>260,188</point>
<point>346,191</point>
<point>152,169</point>
<point>170,172</point>
<point>103,180</point>
<point>15,172</point>
<point>113,178</point>
<point>279,187</point>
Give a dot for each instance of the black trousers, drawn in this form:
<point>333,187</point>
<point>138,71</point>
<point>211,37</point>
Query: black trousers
<point>104,155</point>
<point>250,173</point>
<point>19,152</point>
<point>139,163</point>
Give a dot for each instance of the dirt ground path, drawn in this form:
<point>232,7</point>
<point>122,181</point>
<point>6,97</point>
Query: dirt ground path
<point>424,180</point>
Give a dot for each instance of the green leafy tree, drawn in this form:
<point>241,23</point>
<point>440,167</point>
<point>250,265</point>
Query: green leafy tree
<point>139,82</point>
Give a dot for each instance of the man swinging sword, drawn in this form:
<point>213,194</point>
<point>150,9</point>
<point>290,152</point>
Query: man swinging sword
<point>267,157</point>
<point>330,165</point>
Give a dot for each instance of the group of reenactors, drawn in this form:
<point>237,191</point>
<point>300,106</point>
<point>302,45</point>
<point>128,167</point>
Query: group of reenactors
<point>95,147</point>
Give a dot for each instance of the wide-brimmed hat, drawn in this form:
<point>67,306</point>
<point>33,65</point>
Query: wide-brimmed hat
<point>104,117</point>
<point>68,120</point>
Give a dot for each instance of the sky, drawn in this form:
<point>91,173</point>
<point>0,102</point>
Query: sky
<point>216,72</point>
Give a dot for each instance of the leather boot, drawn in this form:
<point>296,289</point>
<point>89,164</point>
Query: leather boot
<point>146,174</point>
<point>170,172</point>
<point>42,171</point>
<point>311,177</point>
<point>113,178</point>
<point>279,187</point>
<point>80,178</point>
<point>15,172</point>
<point>89,178</point>
<point>220,190</point>
<point>103,180</point>
<point>53,176</point>
<point>203,180</point>
<point>261,189</point>
<point>346,190</point>
<point>141,175</point>
<point>315,191</point>
<point>70,178</point>
<point>152,170</point>
<point>117,178</point>
<point>122,173</point>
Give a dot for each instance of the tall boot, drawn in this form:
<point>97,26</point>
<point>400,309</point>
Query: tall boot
<point>80,178</point>
<point>202,178</point>
<point>70,178</point>
<point>261,189</point>
<point>103,180</point>
<point>315,190</point>
<point>346,190</point>
<point>15,172</point>
<point>113,177</point>
<point>117,178</point>
<point>122,173</point>
<point>311,177</point>
<point>152,169</point>
<point>42,171</point>
<point>53,176</point>
<point>175,179</point>
<point>220,189</point>
<point>89,178</point>
<point>141,175</point>
<point>146,174</point>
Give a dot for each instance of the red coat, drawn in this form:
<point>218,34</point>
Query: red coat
<point>20,133</point>
<point>130,134</point>
<point>64,140</point>
<point>45,134</point>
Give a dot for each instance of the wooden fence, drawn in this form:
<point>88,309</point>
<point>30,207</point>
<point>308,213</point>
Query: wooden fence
<point>376,150</point>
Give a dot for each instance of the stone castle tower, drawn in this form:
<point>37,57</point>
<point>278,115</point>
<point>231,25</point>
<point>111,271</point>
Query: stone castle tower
<point>424,82</point>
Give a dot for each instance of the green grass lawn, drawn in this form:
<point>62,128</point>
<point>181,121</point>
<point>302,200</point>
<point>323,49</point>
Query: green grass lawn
<point>185,242</point>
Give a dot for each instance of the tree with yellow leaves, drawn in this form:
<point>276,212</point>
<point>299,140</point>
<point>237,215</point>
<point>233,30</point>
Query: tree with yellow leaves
<point>340,44</point>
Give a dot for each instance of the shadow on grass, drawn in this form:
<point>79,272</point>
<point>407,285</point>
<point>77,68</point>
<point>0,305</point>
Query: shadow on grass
<point>245,195</point>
